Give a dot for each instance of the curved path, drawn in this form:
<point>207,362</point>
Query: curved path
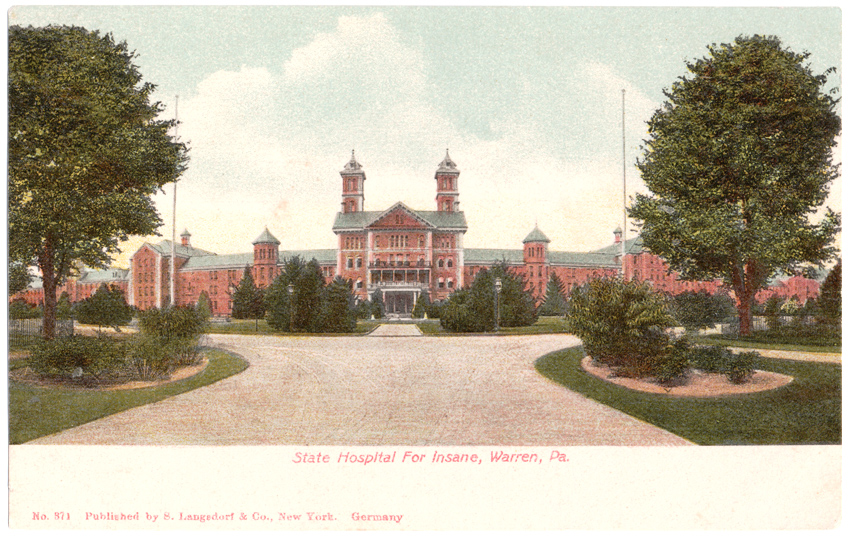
<point>377,391</point>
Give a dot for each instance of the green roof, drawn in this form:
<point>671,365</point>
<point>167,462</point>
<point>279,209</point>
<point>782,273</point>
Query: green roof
<point>632,246</point>
<point>536,236</point>
<point>324,256</point>
<point>582,259</point>
<point>218,261</point>
<point>436,219</point>
<point>164,249</point>
<point>237,261</point>
<point>265,238</point>
<point>104,275</point>
<point>476,256</point>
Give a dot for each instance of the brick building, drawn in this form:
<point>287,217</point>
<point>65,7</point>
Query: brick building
<point>402,252</point>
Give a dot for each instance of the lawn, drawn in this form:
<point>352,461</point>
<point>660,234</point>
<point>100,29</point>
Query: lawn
<point>544,325</point>
<point>761,341</point>
<point>806,411</point>
<point>251,327</point>
<point>39,411</point>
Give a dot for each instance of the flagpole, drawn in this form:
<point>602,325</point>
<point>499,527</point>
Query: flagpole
<point>624,199</point>
<point>174,210</point>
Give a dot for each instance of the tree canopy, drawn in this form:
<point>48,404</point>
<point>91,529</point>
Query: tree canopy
<point>738,159</point>
<point>86,151</point>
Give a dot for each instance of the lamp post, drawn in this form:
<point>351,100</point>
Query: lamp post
<point>291,289</point>
<point>497,291</point>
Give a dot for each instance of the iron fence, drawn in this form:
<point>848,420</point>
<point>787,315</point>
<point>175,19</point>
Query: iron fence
<point>26,332</point>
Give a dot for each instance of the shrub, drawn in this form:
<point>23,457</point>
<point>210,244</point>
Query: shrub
<point>741,367</point>
<point>701,310</point>
<point>434,311</point>
<point>149,358</point>
<point>19,309</point>
<point>621,324</point>
<point>378,309</point>
<point>710,359</point>
<point>63,356</point>
<point>106,307</point>
<point>473,309</point>
<point>363,309</point>
<point>715,359</point>
<point>175,331</point>
<point>422,306</point>
<point>672,366</point>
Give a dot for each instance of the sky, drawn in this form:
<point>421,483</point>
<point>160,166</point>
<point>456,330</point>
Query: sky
<point>272,100</point>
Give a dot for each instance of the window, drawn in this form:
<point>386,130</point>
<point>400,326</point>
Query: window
<point>440,263</point>
<point>359,262</point>
<point>421,241</point>
<point>441,284</point>
<point>350,262</point>
<point>450,262</point>
<point>359,284</point>
<point>451,284</point>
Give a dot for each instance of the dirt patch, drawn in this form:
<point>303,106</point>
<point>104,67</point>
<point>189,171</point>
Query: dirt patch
<point>28,376</point>
<point>697,384</point>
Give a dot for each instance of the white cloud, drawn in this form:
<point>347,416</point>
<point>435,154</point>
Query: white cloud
<point>267,148</point>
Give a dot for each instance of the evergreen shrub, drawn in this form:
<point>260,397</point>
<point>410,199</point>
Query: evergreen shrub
<point>621,324</point>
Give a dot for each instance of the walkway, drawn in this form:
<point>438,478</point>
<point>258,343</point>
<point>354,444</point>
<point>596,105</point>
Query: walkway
<point>378,391</point>
<point>396,330</point>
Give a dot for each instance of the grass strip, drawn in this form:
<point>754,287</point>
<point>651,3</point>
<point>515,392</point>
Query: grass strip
<point>806,411</point>
<point>249,327</point>
<point>755,342</point>
<point>36,411</point>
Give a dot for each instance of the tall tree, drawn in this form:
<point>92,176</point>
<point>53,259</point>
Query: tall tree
<point>86,152</point>
<point>737,160</point>
<point>248,298</point>
<point>555,297</point>
<point>830,299</point>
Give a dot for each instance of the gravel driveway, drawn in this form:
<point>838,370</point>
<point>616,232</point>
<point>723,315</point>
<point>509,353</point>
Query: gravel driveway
<point>377,391</point>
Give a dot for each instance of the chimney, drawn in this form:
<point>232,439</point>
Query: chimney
<point>617,235</point>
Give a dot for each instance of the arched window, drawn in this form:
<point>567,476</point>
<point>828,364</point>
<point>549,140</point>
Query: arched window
<point>359,284</point>
<point>450,262</point>
<point>421,242</point>
<point>359,262</point>
<point>441,283</point>
<point>440,263</point>
<point>445,205</point>
<point>451,284</point>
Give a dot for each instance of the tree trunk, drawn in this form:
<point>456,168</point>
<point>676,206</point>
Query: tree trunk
<point>745,296</point>
<point>46,263</point>
<point>744,308</point>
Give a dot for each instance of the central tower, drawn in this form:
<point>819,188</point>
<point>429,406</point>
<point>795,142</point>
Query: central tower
<point>446,186</point>
<point>353,181</point>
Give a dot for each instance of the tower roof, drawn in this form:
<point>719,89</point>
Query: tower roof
<point>185,233</point>
<point>353,166</point>
<point>536,236</point>
<point>265,238</point>
<point>447,165</point>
